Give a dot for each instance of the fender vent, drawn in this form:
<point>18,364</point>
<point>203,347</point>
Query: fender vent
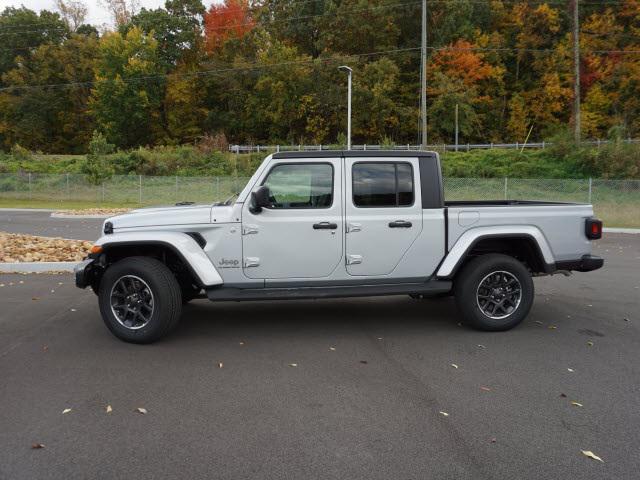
<point>198,238</point>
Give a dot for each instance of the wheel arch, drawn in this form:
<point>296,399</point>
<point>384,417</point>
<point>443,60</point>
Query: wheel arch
<point>526,244</point>
<point>179,251</point>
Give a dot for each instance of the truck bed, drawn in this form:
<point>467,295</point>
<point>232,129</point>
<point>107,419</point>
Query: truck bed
<point>562,224</point>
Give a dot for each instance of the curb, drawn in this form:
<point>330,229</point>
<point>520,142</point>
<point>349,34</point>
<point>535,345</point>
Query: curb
<point>37,267</point>
<point>621,230</point>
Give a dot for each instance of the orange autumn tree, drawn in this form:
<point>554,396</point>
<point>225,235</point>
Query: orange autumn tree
<point>231,19</point>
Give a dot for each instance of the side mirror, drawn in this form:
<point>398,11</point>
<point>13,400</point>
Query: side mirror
<point>260,199</point>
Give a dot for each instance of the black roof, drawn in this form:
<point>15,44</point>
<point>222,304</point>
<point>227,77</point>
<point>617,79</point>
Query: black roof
<point>354,153</point>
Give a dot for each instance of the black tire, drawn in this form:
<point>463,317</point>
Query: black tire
<point>470,295</point>
<point>166,299</point>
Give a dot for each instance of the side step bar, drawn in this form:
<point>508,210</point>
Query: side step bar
<point>223,293</point>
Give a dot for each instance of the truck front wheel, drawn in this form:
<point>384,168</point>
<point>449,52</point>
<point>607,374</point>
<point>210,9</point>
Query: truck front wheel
<point>139,299</point>
<point>494,292</point>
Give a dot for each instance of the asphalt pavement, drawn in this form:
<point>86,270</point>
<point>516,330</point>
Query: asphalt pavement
<point>374,393</point>
<point>42,223</point>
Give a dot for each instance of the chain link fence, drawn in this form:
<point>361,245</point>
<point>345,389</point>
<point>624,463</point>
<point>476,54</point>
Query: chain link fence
<point>617,202</point>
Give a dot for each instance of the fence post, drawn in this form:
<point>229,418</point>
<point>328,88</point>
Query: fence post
<point>506,188</point>
<point>543,144</point>
<point>590,188</point>
<point>68,193</point>
<point>140,189</point>
<point>277,148</point>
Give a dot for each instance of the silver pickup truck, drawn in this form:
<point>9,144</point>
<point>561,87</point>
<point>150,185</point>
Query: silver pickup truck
<point>335,224</point>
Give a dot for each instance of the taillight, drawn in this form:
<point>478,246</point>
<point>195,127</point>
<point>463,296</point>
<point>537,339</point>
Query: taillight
<point>593,228</point>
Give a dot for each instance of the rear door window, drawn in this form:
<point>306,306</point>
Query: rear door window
<point>382,184</point>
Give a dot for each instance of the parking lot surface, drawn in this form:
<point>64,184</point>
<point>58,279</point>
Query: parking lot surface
<point>373,388</point>
<point>42,223</point>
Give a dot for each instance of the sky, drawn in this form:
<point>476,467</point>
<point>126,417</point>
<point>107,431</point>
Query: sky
<point>97,14</point>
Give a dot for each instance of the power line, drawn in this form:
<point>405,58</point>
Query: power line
<point>253,66</point>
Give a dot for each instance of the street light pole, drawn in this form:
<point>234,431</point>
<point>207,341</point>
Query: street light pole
<point>423,78</point>
<point>349,71</point>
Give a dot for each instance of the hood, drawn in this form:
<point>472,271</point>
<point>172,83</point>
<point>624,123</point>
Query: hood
<point>170,216</point>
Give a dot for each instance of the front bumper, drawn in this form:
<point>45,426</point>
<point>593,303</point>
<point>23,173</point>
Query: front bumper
<point>84,272</point>
<point>587,263</point>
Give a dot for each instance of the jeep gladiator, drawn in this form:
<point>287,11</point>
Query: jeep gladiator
<point>335,224</point>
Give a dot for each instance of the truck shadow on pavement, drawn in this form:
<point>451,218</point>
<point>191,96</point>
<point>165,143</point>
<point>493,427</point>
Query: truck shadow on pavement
<point>201,318</point>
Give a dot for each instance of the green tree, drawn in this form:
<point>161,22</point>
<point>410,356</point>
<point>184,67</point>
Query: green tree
<point>128,90</point>
<point>97,167</point>
<point>23,30</point>
<point>53,118</point>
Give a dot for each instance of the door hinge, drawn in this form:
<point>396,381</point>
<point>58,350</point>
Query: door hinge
<point>354,259</point>
<point>251,262</point>
<point>249,229</point>
<point>354,227</point>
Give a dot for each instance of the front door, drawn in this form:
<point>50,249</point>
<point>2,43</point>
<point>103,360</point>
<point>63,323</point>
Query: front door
<point>300,234</point>
<point>383,213</point>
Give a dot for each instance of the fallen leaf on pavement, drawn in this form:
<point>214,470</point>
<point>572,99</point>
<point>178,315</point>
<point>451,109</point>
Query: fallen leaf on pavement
<point>364,362</point>
<point>552,327</point>
<point>141,410</point>
<point>576,404</point>
<point>493,440</point>
<point>538,322</point>
<point>109,409</point>
<point>563,395</point>
<point>34,298</point>
<point>570,370</point>
<point>481,346</point>
<point>590,343</point>
<point>590,454</point>
<point>333,349</point>
<point>240,343</point>
<point>486,389</point>
<point>73,310</point>
<point>220,365</point>
<point>66,410</point>
<point>444,414</point>
<point>37,446</point>
<point>293,364</point>
<point>454,365</point>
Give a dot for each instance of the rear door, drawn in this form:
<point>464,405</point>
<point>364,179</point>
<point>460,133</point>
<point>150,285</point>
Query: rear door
<point>383,212</point>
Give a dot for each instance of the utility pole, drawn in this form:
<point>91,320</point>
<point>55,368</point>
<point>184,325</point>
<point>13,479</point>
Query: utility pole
<point>349,71</point>
<point>423,76</point>
<point>457,127</point>
<point>576,62</point>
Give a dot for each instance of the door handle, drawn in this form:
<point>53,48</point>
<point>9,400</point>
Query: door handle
<point>325,226</point>
<point>400,224</point>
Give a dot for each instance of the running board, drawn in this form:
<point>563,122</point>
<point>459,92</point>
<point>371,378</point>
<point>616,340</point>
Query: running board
<point>433,287</point>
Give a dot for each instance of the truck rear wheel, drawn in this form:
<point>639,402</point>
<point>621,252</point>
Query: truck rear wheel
<point>494,292</point>
<point>139,299</point>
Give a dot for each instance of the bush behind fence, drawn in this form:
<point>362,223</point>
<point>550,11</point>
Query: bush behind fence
<point>617,201</point>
